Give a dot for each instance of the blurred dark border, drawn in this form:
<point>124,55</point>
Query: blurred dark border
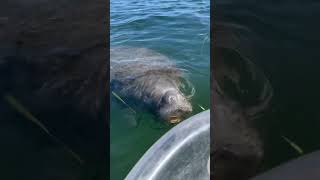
<point>211,78</point>
<point>20,24</point>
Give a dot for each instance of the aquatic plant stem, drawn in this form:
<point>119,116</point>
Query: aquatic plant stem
<point>22,110</point>
<point>121,100</point>
<point>293,145</point>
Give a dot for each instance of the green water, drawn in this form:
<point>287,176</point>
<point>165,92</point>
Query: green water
<point>177,29</point>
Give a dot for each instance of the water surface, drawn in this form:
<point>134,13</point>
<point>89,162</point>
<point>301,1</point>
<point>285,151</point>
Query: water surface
<point>177,29</point>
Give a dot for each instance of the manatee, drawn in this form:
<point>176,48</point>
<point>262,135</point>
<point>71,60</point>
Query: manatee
<point>152,79</point>
<point>241,93</point>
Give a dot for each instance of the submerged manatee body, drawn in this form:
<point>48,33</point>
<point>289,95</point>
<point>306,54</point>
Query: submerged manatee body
<point>150,78</point>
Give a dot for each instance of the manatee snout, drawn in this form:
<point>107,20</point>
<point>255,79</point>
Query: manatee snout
<point>174,106</point>
<point>237,150</point>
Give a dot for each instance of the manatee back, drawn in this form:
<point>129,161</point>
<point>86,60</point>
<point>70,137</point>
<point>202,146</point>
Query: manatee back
<point>130,63</point>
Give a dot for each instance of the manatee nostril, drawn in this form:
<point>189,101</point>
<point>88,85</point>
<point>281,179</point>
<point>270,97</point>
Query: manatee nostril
<point>171,99</point>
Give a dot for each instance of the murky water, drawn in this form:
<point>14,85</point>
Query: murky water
<point>282,39</point>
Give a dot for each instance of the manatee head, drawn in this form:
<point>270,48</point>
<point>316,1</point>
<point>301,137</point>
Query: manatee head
<point>237,148</point>
<point>242,96</point>
<point>174,106</point>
